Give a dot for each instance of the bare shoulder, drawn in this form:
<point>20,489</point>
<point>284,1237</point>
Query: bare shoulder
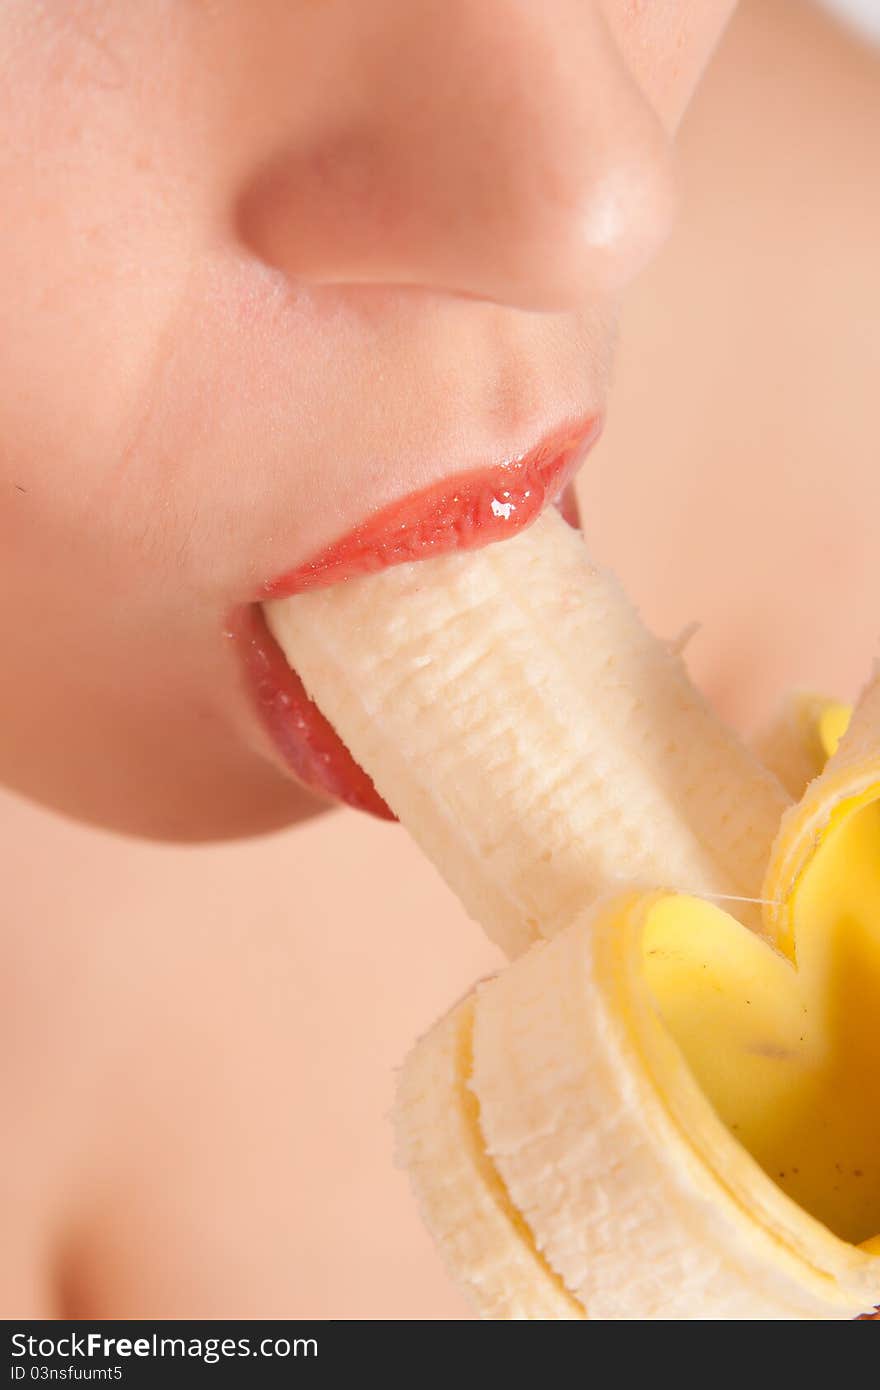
<point>738,482</point>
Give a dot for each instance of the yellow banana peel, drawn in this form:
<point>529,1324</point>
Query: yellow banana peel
<point>683,1114</point>
<point>668,1105</point>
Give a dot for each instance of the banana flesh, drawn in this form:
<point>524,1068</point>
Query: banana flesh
<point>640,1215</point>
<point>639,1079</point>
<point>539,744</point>
<point>481,1237</point>
<point>660,1109</point>
<point>804,732</point>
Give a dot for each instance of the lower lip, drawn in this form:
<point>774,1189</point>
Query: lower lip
<point>462,513</point>
<point>308,745</point>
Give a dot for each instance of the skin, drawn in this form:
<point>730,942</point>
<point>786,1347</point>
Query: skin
<point>265,278</point>
<point>245,1044</point>
<point>742,414</point>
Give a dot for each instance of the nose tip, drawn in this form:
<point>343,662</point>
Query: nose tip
<point>595,197</point>
<point>531,170</point>
<point>605,208</point>
<point>626,214</point>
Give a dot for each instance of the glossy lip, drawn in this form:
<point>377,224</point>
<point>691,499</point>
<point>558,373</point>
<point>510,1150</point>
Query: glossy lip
<point>309,746</point>
<point>467,511</point>
<point>471,509</point>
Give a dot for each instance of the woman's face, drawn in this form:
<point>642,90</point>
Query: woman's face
<point>267,267</point>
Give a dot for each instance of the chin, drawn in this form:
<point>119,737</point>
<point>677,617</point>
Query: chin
<point>257,801</point>
<point>198,816</point>
<point>181,796</point>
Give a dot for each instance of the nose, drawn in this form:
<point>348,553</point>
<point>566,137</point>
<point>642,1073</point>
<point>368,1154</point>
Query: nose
<point>491,148</point>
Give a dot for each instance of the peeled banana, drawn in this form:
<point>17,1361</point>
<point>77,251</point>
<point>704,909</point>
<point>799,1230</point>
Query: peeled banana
<point>663,1108</point>
<point>539,744</point>
<point>804,732</point>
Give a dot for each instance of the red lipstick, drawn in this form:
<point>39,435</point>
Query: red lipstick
<point>461,513</point>
<point>309,745</point>
<point>469,510</point>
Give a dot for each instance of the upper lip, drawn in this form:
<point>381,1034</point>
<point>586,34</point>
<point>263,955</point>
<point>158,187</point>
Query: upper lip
<point>467,508</point>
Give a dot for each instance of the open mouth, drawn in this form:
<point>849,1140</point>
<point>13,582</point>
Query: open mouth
<point>464,512</point>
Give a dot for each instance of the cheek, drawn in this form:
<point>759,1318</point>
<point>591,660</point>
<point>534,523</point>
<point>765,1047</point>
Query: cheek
<point>92,279</point>
<point>77,373</point>
<point>667,44</point>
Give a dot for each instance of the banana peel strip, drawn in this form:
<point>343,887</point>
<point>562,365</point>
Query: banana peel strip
<point>674,1116</point>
